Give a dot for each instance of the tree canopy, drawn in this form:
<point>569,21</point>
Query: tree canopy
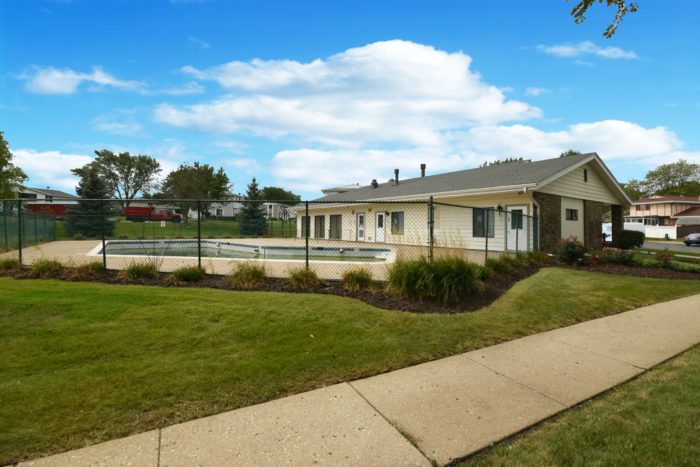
<point>570,152</point>
<point>273,193</point>
<point>91,217</point>
<point>507,160</point>
<point>252,217</point>
<point>623,7</point>
<point>11,176</point>
<point>124,175</point>
<point>677,178</point>
<point>193,182</point>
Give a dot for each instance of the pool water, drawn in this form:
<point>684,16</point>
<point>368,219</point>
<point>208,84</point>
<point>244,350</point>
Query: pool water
<point>224,249</point>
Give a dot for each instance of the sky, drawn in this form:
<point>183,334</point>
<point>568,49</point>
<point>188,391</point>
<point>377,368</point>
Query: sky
<point>313,94</point>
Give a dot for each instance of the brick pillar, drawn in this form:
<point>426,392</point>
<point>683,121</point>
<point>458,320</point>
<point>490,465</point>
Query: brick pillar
<point>617,221</point>
<point>550,220</point>
<point>592,224</point>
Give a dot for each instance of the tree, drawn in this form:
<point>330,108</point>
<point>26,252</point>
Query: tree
<point>124,175</point>
<point>507,160</point>
<point>570,152</point>
<point>252,217</point>
<point>580,9</point>
<point>273,193</point>
<point>195,182</point>
<point>677,178</point>
<point>635,189</point>
<point>11,176</point>
<point>90,216</point>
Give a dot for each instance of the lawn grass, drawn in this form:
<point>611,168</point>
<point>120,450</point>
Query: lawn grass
<point>653,420</point>
<point>81,363</point>
<point>211,228</point>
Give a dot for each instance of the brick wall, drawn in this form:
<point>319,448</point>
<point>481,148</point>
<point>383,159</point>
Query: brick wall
<point>617,220</point>
<point>592,220</point>
<point>550,220</point>
<point>683,230</point>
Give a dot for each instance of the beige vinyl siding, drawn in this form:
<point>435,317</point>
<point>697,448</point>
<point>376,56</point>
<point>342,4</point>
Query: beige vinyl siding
<point>572,185</point>
<point>572,228</point>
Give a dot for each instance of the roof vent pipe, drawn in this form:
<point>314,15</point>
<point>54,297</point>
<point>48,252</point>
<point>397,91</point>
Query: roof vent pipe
<point>396,176</point>
<point>374,183</point>
<point>422,170</point>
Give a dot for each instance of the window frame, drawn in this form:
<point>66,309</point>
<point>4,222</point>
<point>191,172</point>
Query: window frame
<point>485,225</point>
<point>571,214</point>
<point>396,228</point>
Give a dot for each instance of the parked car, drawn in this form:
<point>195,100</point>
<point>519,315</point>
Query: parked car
<point>151,213</point>
<point>692,239</point>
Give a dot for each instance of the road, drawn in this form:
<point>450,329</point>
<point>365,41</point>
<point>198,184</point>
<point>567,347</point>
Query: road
<point>672,246</point>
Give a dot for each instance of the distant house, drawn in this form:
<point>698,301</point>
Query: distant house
<point>514,206</point>
<point>45,201</point>
<point>661,210</point>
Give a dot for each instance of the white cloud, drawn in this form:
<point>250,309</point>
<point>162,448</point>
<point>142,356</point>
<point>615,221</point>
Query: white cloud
<point>391,92</point>
<point>312,169</point>
<point>534,91</point>
<point>50,80</point>
<point>247,166</point>
<point>186,89</point>
<point>587,48</point>
<point>119,122</point>
<point>50,168</point>
<point>199,42</point>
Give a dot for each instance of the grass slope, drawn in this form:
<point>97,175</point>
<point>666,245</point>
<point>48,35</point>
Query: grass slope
<point>81,363</point>
<point>653,420</point>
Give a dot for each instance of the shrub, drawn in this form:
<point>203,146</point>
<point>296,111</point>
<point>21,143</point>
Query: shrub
<point>140,270</point>
<point>663,257</point>
<point>47,268</point>
<point>447,280</point>
<point>246,276</point>
<point>303,278</point>
<point>485,273</point>
<point>87,271</point>
<point>9,264</point>
<point>189,274</point>
<point>616,256</point>
<point>537,258</point>
<point>357,279</point>
<point>500,265</point>
<point>628,239</point>
<point>571,251</point>
<point>78,236</point>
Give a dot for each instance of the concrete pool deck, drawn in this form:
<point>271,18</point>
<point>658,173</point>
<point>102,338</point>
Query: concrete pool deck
<point>74,253</point>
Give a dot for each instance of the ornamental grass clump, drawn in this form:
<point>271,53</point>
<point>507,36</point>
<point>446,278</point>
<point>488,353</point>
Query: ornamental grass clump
<point>357,279</point>
<point>446,280</point>
<point>304,279</point>
<point>246,276</point>
<point>45,268</point>
<point>88,271</point>
<point>189,274</point>
<point>9,264</point>
<point>140,270</point>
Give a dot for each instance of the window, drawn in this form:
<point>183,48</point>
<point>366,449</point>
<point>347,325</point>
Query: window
<point>319,226</point>
<point>397,223</point>
<point>219,212</point>
<point>305,225</point>
<point>483,222</point>
<point>572,214</point>
<point>585,175</point>
<point>516,219</point>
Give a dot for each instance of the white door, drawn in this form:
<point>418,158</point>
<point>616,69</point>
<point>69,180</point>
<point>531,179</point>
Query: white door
<point>379,227</point>
<point>361,226</point>
<point>517,228</point>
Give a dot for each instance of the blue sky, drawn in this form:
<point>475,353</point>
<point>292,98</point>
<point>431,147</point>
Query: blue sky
<point>310,94</point>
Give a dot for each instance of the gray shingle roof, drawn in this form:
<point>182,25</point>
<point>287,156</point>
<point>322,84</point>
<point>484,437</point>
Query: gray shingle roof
<point>54,193</point>
<point>514,173</point>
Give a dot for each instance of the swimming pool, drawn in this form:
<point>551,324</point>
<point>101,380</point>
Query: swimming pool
<point>227,249</point>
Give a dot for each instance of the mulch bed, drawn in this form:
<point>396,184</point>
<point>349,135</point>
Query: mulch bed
<point>377,296</point>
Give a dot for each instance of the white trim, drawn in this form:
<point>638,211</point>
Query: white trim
<point>640,203</point>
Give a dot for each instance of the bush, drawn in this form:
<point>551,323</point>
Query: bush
<point>189,274</point>
<point>664,257</point>
<point>571,251</point>
<point>9,264</point>
<point>303,278</point>
<point>47,268</point>
<point>628,239</point>
<point>537,258</point>
<point>357,279</point>
<point>78,236</point>
<point>246,276</point>
<point>615,256</point>
<point>89,270</point>
<point>500,265</point>
<point>140,270</point>
<point>447,280</point>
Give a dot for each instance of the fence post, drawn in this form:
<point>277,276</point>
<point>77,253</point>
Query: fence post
<point>431,228</point>
<point>102,230</point>
<point>199,233</point>
<point>4,221</point>
<point>19,228</point>
<point>486,234</point>
<point>517,232</point>
<point>307,227</point>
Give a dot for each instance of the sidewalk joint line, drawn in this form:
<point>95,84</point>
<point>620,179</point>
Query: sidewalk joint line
<point>547,396</point>
<point>429,459</point>
<point>600,354</point>
<point>160,436</point>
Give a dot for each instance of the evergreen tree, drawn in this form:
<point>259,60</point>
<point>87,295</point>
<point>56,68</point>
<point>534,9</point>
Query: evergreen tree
<point>86,218</point>
<point>252,216</point>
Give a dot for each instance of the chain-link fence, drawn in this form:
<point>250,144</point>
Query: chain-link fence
<point>329,237</point>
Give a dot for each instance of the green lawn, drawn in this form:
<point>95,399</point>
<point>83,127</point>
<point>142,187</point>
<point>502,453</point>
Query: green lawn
<point>653,420</point>
<point>210,228</point>
<point>85,362</point>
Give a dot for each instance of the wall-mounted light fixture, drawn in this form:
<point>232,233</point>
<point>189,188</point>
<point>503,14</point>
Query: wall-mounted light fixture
<point>499,208</point>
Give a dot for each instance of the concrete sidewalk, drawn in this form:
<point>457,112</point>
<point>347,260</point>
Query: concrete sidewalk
<point>449,408</point>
